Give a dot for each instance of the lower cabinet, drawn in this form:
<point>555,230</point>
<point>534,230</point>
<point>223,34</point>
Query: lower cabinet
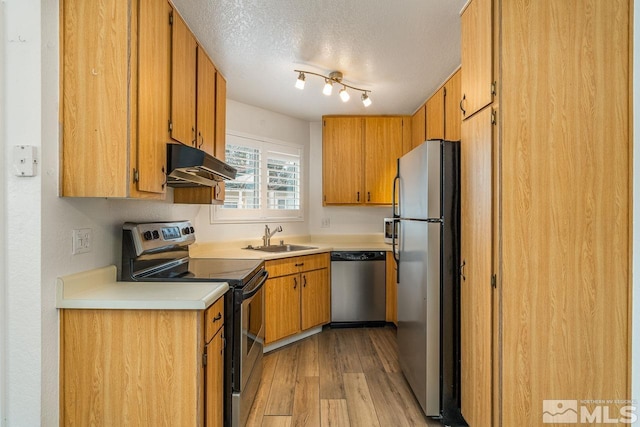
<point>392,289</point>
<point>141,367</point>
<point>297,295</point>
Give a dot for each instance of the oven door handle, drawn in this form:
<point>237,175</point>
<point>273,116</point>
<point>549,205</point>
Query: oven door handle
<point>254,288</point>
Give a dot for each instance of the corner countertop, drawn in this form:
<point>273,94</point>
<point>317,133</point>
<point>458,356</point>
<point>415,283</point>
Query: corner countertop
<point>319,244</point>
<point>99,289</point>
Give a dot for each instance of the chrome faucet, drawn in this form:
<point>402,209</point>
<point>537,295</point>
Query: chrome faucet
<point>266,239</point>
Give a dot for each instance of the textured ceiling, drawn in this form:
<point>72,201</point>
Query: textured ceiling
<point>400,50</point>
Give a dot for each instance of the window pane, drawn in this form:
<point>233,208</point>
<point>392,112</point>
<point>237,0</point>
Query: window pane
<point>244,191</point>
<point>283,182</point>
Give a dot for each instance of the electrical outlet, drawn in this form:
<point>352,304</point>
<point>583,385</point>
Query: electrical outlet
<point>82,239</point>
<point>326,223</point>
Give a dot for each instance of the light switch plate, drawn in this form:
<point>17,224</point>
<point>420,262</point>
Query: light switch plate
<point>82,239</point>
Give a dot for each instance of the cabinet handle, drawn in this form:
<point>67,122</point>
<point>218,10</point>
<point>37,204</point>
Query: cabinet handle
<point>464,278</point>
<point>201,139</point>
<point>193,133</point>
<point>464,112</point>
<point>218,317</point>
<point>299,265</point>
<point>165,178</point>
<point>358,199</point>
<point>295,283</point>
<point>304,281</point>
<point>368,196</point>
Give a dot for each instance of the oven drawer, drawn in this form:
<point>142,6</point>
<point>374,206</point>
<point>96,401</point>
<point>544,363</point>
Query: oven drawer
<point>213,319</point>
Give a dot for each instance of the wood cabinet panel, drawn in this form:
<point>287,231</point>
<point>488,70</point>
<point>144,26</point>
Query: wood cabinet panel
<point>316,298</point>
<point>214,404</point>
<point>383,146</point>
<point>418,127</point>
<point>221,132</point>
<point>342,160</point>
<point>282,307</point>
<point>105,362</point>
<point>477,55</point>
<point>391,290</point>
<point>475,254</point>
<point>114,71</point>
<point>435,115</point>
<point>565,199</point>
<point>205,102</point>
<point>183,83</point>
<point>452,112</point>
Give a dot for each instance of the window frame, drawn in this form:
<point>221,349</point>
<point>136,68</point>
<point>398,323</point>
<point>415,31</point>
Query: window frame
<point>219,214</point>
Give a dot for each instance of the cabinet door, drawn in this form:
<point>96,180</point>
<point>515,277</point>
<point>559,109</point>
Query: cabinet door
<point>383,146</point>
<point>154,41</point>
<point>282,307</point>
<point>476,298</point>
<point>316,298</point>
<point>205,103</point>
<point>418,127</point>
<point>452,112</point>
<point>342,158</point>
<point>477,54</point>
<point>183,83</point>
<point>435,115</point>
<point>214,377</point>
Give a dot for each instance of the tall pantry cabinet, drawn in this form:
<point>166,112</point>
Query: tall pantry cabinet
<point>555,106</point>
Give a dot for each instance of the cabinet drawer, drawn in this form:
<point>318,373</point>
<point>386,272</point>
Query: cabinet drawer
<point>282,267</point>
<point>213,319</point>
<point>313,262</point>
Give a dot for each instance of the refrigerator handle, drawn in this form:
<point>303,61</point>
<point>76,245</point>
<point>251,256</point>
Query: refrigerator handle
<point>394,247</point>
<point>394,210</point>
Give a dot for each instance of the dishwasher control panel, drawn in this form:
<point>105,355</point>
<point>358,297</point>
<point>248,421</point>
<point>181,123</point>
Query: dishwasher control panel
<point>358,256</point>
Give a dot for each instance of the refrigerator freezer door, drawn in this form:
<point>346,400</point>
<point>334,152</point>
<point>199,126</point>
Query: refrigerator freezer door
<point>419,311</point>
<point>420,182</point>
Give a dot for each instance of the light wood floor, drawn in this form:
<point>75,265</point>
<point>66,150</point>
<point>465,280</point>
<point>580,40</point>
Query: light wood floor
<point>340,377</point>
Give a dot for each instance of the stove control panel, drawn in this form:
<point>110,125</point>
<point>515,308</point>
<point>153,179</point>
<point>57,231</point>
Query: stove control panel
<point>152,236</point>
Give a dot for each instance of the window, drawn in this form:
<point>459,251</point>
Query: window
<point>267,185</point>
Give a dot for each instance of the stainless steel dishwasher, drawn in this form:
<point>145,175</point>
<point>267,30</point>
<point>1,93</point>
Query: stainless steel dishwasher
<point>357,287</point>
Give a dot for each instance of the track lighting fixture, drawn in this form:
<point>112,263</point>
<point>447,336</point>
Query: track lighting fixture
<point>335,76</point>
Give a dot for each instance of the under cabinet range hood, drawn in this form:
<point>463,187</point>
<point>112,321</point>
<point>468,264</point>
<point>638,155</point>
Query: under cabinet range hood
<point>191,167</point>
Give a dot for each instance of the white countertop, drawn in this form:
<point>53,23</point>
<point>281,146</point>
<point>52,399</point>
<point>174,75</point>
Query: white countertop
<point>99,289</point>
<point>333,243</point>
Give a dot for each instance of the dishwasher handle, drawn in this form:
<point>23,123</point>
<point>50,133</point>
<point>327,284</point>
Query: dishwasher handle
<point>358,256</point>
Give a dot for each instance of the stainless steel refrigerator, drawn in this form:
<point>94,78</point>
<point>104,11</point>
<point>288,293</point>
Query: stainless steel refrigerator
<point>427,208</point>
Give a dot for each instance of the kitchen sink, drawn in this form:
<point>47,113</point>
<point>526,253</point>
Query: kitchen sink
<point>280,248</point>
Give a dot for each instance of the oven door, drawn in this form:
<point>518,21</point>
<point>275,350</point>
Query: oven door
<point>252,326</point>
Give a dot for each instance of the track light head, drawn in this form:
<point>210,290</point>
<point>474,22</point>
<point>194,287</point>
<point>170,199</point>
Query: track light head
<point>300,81</point>
<point>366,101</point>
<point>344,95</point>
<point>328,87</point>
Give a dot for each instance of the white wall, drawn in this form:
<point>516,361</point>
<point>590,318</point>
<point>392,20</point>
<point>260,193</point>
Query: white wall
<point>3,223</point>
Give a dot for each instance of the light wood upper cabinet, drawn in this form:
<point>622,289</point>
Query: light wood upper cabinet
<point>205,103</point>
<point>477,56</point>
<point>101,51</point>
<point>452,112</point>
<point>382,146</point>
<point>359,158</point>
<point>183,83</point>
<point>435,115</point>
<point>418,127</point>
<point>342,160</point>
<point>297,295</point>
<point>443,111</point>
